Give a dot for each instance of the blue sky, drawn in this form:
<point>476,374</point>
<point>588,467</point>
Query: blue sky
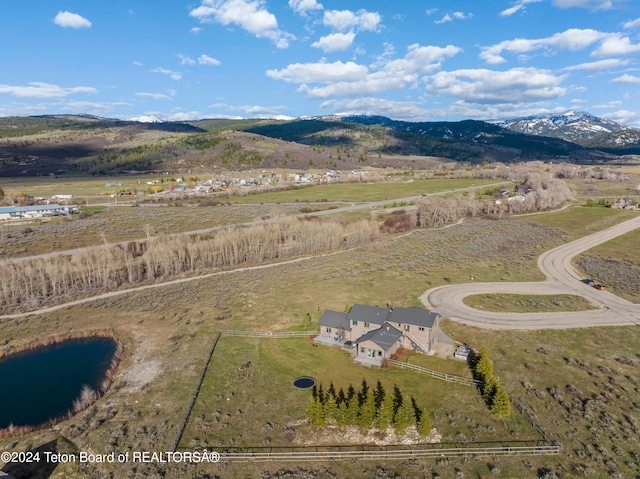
<point>408,60</point>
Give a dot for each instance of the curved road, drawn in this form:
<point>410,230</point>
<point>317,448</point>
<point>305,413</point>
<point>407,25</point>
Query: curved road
<point>561,279</point>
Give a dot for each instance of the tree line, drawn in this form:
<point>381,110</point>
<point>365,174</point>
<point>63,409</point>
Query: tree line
<point>494,394</point>
<point>30,284</point>
<point>367,408</point>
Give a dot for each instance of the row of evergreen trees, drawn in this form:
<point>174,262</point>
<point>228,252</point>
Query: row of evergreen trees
<point>494,394</point>
<point>367,408</point>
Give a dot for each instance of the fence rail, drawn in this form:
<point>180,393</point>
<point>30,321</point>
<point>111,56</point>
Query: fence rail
<point>436,374</point>
<point>389,454</point>
<point>268,334</point>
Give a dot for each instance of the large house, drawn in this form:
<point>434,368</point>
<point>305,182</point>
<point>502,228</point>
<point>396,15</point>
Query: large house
<point>375,334</point>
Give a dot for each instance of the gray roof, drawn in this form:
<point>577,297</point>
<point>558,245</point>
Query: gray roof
<point>414,316</point>
<point>334,319</point>
<point>368,314</point>
<point>385,337</point>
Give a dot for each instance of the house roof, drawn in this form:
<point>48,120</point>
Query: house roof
<point>368,314</point>
<point>414,316</point>
<point>384,337</point>
<point>16,209</point>
<point>334,319</point>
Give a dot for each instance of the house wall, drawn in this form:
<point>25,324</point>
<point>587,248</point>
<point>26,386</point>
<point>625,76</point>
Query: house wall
<point>357,331</point>
<point>373,346</point>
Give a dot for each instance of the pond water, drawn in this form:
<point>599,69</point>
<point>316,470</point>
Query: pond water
<point>41,384</point>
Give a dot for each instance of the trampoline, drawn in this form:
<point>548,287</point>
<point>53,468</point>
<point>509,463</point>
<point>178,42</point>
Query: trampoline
<point>304,382</point>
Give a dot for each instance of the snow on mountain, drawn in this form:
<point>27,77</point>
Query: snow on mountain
<point>146,119</point>
<point>575,126</point>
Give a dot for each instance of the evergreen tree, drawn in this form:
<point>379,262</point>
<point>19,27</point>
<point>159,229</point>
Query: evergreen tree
<point>424,425</point>
<point>489,390</point>
<point>330,407</point>
<point>401,421</point>
<point>367,411</point>
<point>351,392</point>
<point>315,413</point>
<point>484,366</point>
<point>362,395</point>
<point>379,394</point>
<point>351,412</point>
<point>501,405</point>
<point>384,417</point>
<point>341,397</point>
<point>342,418</point>
<point>397,399</point>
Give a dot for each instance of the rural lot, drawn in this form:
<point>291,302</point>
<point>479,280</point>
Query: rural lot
<point>215,297</point>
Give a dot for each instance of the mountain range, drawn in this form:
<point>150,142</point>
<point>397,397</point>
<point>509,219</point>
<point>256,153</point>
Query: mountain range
<point>84,144</point>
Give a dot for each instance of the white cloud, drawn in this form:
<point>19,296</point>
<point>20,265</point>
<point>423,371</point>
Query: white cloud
<point>598,66</point>
<point>519,5</point>
<point>493,87</point>
<point>304,6</point>
<point>335,42</point>
<point>626,78</point>
<point>572,39</point>
<point>208,61</point>
<point>44,90</point>
<point>361,20</point>
<point>608,105</point>
<point>71,20</point>
<point>196,30</point>
<point>398,110</point>
<point>626,117</point>
<point>171,74</point>
<point>615,45</point>
<point>184,60</point>
<point>632,24</point>
<point>138,64</point>
<point>590,4</point>
<point>351,79</point>
<point>319,72</point>
<point>250,15</point>
<point>155,96</point>
<point>449,17</point>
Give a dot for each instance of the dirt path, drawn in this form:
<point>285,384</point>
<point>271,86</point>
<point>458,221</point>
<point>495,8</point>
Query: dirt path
<point>561,279</point>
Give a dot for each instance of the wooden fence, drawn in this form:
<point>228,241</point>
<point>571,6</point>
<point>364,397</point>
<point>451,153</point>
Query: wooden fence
<point>377,453</point>
<point>436,374</point>
<point>268,334</point>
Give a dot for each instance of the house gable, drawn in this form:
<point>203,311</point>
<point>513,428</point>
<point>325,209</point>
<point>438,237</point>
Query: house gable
<point>363,313</point>
<point>334,319</point>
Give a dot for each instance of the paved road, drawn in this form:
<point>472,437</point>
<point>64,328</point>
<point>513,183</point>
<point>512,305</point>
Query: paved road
<point>561,279</point>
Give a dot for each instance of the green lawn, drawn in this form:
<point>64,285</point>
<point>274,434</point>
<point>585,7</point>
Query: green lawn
<point>252,407</point>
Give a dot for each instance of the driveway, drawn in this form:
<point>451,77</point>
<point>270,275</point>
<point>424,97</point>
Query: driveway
<point>561,279</point>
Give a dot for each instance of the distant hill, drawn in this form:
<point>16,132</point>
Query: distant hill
<point>84,144</point>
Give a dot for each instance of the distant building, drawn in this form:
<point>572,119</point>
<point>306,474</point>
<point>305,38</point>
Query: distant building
<point>35,211</point>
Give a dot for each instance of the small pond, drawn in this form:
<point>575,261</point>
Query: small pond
<point>41,384</point>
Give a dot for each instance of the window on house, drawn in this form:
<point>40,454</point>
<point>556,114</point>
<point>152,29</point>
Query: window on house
<point>420,328</point>
<point>379,353</point>
<point>406,327</point>
<point>362,350</point>
<point>328,330</point>
<point>354,322</point>
<point>366,325</point>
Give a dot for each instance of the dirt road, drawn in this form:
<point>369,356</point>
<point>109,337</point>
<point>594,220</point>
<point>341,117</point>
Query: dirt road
<point>561,279</point>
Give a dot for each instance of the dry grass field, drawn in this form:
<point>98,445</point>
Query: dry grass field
<point>581,386</point>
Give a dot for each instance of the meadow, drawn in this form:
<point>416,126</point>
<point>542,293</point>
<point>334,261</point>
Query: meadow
<point>581,386</point>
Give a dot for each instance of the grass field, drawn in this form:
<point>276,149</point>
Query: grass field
<point>361,192</point>
<point>522,303</point>
<point>252,407</point>
<point>582,386</point>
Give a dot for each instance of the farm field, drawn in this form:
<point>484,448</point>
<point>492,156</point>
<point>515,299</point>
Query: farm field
<point>580,386</point>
